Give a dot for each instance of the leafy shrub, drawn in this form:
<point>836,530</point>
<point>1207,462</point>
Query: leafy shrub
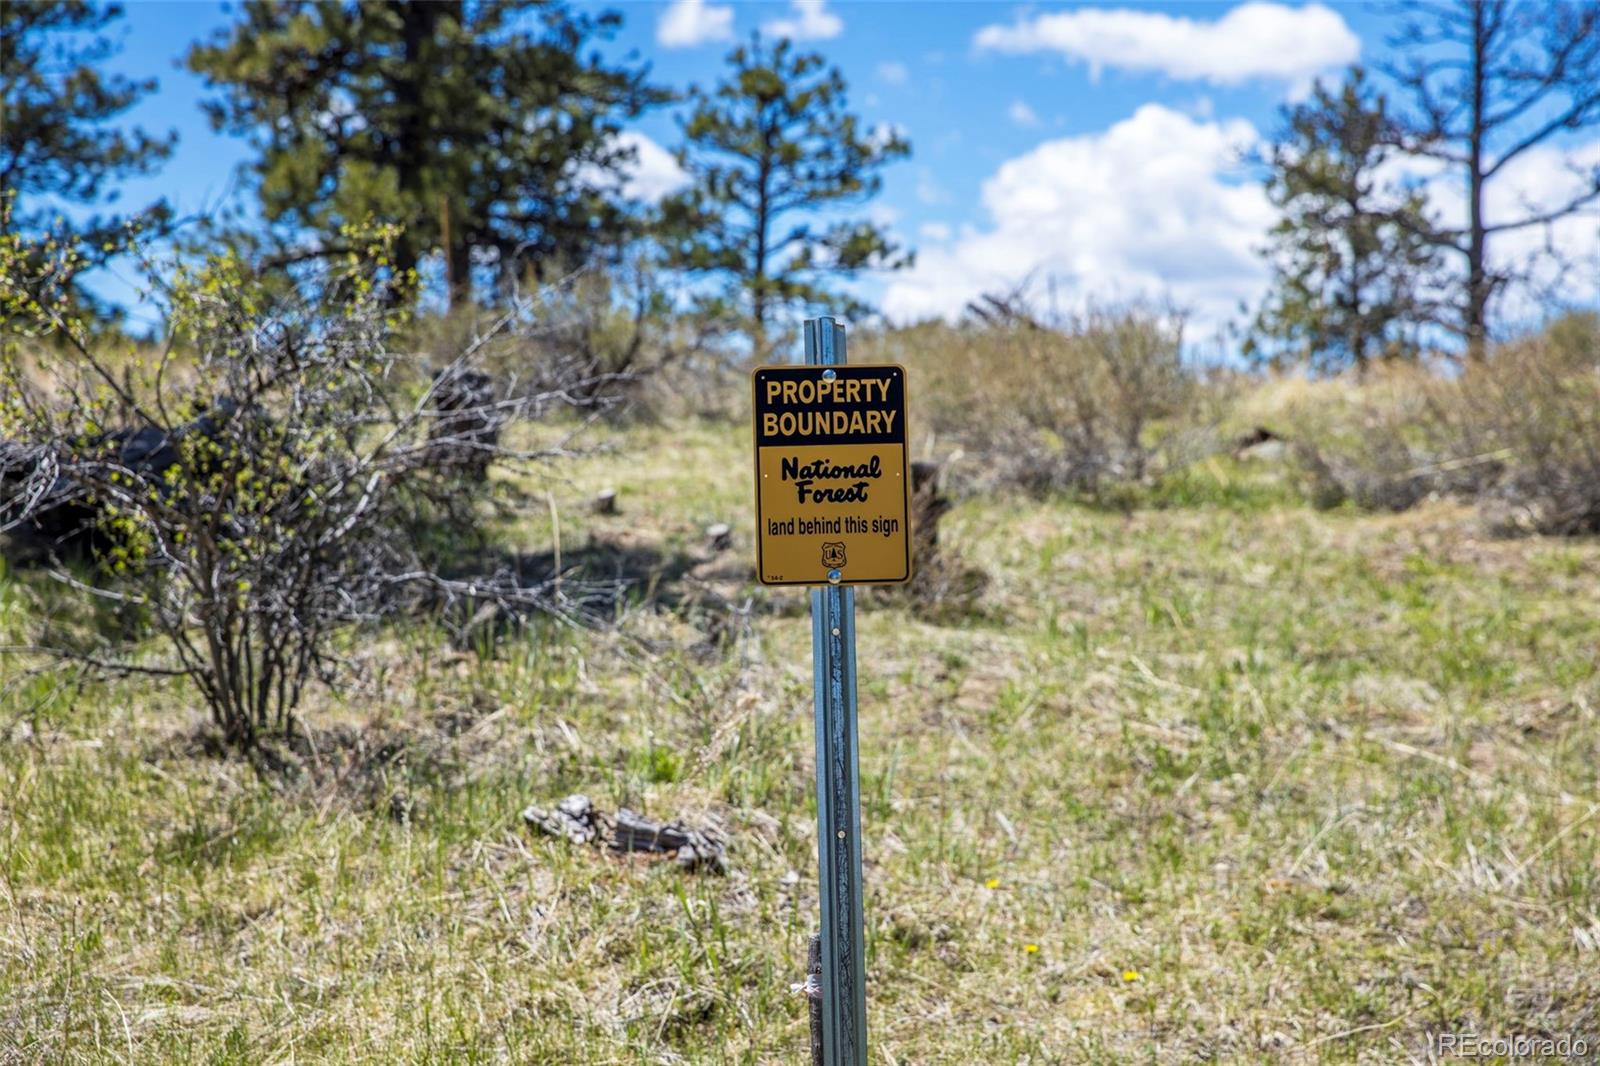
<point>1077,406</point>
<point>272,474</point>
<point>599,335</point>
<point>1374,444</point>
<point>1534,408</point>
<point>1519,433</point>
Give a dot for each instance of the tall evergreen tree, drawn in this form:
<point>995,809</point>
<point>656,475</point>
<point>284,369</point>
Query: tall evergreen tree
<point>58,143</point>
<point>483,127</point>
<point>1352,275</point>
<point>775,139</point>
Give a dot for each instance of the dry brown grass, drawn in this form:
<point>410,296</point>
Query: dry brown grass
<point>1257,785</point>
<point>1518,434</point>
<point>1080,406</point>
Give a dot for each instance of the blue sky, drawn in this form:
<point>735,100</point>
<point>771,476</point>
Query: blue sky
<point>1095,150</point>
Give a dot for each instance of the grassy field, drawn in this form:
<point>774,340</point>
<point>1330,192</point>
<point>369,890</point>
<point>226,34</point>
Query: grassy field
<point>1215,779</point>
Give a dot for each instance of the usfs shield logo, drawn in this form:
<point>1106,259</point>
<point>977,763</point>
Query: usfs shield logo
<point>833,554</point>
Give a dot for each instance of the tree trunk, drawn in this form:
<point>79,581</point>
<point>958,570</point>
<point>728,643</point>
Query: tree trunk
<point>1475,319</point>
<point>413,141</point>
<point>457,260</point>
<point>1355,341</point>
<point>763,221</point>
<point>758,282</point>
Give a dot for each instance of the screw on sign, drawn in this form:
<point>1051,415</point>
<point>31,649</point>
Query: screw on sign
<point>833,510</point>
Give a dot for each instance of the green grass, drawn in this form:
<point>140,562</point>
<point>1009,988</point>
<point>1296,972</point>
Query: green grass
<point>1217,778</point>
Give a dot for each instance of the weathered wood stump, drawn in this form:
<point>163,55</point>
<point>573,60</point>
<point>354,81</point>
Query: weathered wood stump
<point>466,434</point>
<point>928,506</point>
<point>942,584</point>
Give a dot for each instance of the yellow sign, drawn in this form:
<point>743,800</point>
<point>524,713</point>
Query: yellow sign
<point>833,499</point>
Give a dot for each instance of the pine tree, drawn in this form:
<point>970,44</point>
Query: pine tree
<point>58,145</point>
<point>482,128</point>
<point>772,140</point>
<point>1352,277</point>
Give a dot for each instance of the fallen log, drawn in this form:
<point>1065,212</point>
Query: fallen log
<point>693,849</point>
<point>576,820</point>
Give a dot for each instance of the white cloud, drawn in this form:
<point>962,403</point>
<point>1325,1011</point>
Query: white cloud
<point>928,190</point>
<point>652,174</point>
<point>1558,261</point>
<point>883,215</point>
<point>655,173</point>
<point>1020,113</point>
<point>891,72</point>
<point>1145,208</point>
<point>810,20</point>
<point>1159,205</point>
<point>686,23</point>
<point>1562,257</point>
<point>1253,40</point>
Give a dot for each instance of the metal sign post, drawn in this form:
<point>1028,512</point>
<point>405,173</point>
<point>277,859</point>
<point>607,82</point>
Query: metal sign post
<point>833,653</point>
<point>833,510</point>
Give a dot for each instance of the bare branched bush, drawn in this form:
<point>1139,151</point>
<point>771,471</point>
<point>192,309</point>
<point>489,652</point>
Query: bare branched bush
<point>1079,405</point>
<point>1534,409</point>
<point>603,336</point>
<point>275,472</point>
<point>1519,433</point>
<point>1375,447</point>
